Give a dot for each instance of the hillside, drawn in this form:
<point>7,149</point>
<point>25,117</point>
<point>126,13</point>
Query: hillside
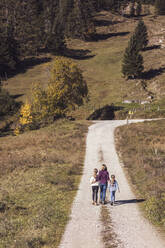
<point>41,169</point>
<point>101,62</point>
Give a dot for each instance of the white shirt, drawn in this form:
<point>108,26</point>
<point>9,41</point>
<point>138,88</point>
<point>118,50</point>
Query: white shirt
<point>93,181</point>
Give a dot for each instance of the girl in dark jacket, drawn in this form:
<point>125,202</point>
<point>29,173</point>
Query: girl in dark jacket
<point>103,182</point>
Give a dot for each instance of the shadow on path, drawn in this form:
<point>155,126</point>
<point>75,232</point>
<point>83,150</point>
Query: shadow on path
<point>121,202</point>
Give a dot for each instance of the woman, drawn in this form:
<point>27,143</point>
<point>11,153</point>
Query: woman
<point>103,182</point>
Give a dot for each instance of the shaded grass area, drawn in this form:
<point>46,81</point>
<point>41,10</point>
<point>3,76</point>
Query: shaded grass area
<point>39,175</point>
<point>142,149</point>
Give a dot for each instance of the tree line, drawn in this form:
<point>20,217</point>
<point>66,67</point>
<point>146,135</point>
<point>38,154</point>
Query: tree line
<point>29,27</point>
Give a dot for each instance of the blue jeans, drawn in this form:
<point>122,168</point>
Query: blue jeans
<point>103,188</point>
<point>113,196</point>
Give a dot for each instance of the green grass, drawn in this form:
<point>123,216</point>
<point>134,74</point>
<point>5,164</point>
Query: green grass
<point>40,174</point>
<point>141,148</point>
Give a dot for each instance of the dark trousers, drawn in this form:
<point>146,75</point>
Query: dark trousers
<point>95,190</point>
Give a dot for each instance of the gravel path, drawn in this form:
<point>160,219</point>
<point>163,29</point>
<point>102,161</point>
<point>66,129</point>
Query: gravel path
<point>84,227</point>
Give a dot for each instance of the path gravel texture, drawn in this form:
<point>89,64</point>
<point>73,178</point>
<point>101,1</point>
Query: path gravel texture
<point>84,228</point>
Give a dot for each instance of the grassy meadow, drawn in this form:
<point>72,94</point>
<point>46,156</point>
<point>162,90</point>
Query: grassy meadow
<point>39,176</point>
<point>141,148</point>
<point>100,62</point>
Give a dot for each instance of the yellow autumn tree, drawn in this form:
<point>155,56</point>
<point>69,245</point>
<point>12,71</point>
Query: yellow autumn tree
<point>25,119</point>
<point>39,103</point>
<point>26,115</point>
<point>65,90</point>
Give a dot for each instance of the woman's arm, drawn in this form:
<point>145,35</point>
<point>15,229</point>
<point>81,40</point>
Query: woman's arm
<point>108,179</point>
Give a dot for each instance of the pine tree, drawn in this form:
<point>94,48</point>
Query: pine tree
<point>76,18</point>
<point>132,62</point>
<point>138,9</point>
<point>132,9</point>
<point>27,27</point>
<point>160,7</point>
<point>9,54</point>
<point>141,35</point>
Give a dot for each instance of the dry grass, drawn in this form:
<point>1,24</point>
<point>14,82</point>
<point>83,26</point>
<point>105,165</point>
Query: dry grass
<point>103,71</point>
<point>40,172</point>
<point>142,150</point>
<point>108,236</point>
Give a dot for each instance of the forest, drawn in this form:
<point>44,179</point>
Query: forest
<point>28,28</point>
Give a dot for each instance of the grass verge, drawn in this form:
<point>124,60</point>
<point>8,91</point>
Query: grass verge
<point>40,172</point>
<point>142,149</point>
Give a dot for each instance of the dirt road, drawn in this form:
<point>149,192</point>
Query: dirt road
<point>84,227</point>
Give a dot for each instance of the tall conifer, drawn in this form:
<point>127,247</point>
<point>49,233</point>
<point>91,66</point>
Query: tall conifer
<point>141,35</point>
<point>132,62</point>
<point>138,8</point>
